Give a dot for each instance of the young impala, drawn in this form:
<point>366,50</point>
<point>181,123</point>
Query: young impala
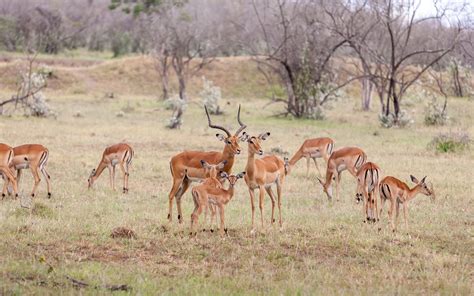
<point>186,166</point>
<point>213,180</point>
<point>346,158</point>
<point>368,178</point>
<point>35,157</point>
<point>262,173</point>
<point>206,195</point>
<point>312,149</point>
<point>6,159</point>
<point>120,154</point>
<point>398,192</point>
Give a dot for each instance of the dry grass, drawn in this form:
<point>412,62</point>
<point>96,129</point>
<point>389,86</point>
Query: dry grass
<point>324,248</point>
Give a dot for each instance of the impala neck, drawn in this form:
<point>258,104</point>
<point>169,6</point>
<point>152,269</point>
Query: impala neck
<point>298,155</point>
<point>230,193</point>
<point>100,168</point>
<point>228,155</point>
<point>250,168</point>
<point>412,193</point>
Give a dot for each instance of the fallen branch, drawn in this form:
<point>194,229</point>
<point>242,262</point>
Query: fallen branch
<point>81,284</point>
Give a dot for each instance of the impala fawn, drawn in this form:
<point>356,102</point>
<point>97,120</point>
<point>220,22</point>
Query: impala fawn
<point>207,195</point>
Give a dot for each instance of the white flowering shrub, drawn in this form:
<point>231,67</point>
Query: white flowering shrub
<point>178,106</point>
<point>435,113</point>
<point>211,96</point>
<point>36,102</point>
<point>404,119</point>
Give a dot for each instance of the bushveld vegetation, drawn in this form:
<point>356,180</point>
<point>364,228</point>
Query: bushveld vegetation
<point>111,71</point>
<point>323,248</point>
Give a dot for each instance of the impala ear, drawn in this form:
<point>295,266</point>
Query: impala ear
<point>414,180</point>
<point>241,175</point>
<point>321,182</point>
<point>221,137</point>
<point>204,164</point>
<point>264,136</point>
<point>92,173</point>
<point>221,165</point>
<point>423,180</point>
<point>224,175</point>
<point>244,137</point>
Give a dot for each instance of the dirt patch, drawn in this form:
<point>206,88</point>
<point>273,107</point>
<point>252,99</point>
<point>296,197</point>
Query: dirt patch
<point>123,232</point>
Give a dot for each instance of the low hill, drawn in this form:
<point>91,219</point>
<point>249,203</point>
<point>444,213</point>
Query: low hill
<point>237,76</point>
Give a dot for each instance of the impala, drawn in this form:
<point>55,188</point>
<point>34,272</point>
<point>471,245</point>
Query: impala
<point>312,149</point>
<point>368,178</point>
<point>35,157</point>
<point>398,192</point>
<point>6,159</point>
<point>346,158</point>
<point>120,154</point>
<point>186,166</point>
<point>207,195</point>
<point>262,173</point>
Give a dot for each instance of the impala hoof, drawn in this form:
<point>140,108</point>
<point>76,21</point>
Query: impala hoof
<point>49,194</point>
<point>273,221</point>
<point>169,217</point>
<point>212,230</point>
<point>225,230</point>
<point>32,195</point>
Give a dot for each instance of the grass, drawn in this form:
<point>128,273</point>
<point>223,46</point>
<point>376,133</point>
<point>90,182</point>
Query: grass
<point>324,248</point>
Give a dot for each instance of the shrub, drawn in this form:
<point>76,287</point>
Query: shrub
<point>388,121</point>
<point>450,142</point>
<point>211,96</point>
<point>178,106</point>
<point>435,114</point>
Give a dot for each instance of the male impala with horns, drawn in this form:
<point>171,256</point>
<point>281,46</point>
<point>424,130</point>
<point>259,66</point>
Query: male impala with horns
<point>186,166</point>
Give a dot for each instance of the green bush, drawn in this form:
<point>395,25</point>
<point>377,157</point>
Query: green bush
<point>450,142</point>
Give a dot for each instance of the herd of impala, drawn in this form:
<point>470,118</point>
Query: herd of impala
<point>213,168</point>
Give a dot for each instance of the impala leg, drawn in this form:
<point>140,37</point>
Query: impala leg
<point>213,217</point>
<point>366,203</point>
<point>47,177</point>
<point>5,185</point>
<point>375,194</point>
<point>127,171</point>
<point>11,179</point>
<point>405,214</point>
<point>391,213</point>
<point>174,189</point>
<point>272,198</point>
<point>397,213</point>
<point>252,204</point>
<point>260,202</point>
<point>308,161</point>
<point>317,167</point>
<point>34,171</point>
<point>179,195</point>
<point>125,178</point>
<point>195,218</point>
<point>279,202</point>
<point>113,177</point>
<point>338,180</point>
<point>222,229</point>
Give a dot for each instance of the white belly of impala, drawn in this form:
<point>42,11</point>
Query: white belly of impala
<point>22,166</point>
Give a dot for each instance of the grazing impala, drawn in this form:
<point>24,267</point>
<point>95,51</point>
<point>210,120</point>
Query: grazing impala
<point>6,159</point>
<point>207,195</point>
<point>398,192</point>
<point>312,149</point>
<point>186,166</point>
<point>35,157</point>
<point>368,178</point>
<point>262,174</point>
<point>346,158</point>
<point>120,154</point>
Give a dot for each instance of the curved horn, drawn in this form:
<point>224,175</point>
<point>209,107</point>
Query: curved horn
<point>215,126</point>
<point>242,125</point>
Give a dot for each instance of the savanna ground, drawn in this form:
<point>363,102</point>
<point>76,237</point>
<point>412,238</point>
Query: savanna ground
<point>323,247</point>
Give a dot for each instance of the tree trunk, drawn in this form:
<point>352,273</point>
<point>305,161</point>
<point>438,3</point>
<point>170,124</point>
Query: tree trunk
<point>458,92</point>
<point>164,84</point>
<point>182,87</point>
<point>367,87</point>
